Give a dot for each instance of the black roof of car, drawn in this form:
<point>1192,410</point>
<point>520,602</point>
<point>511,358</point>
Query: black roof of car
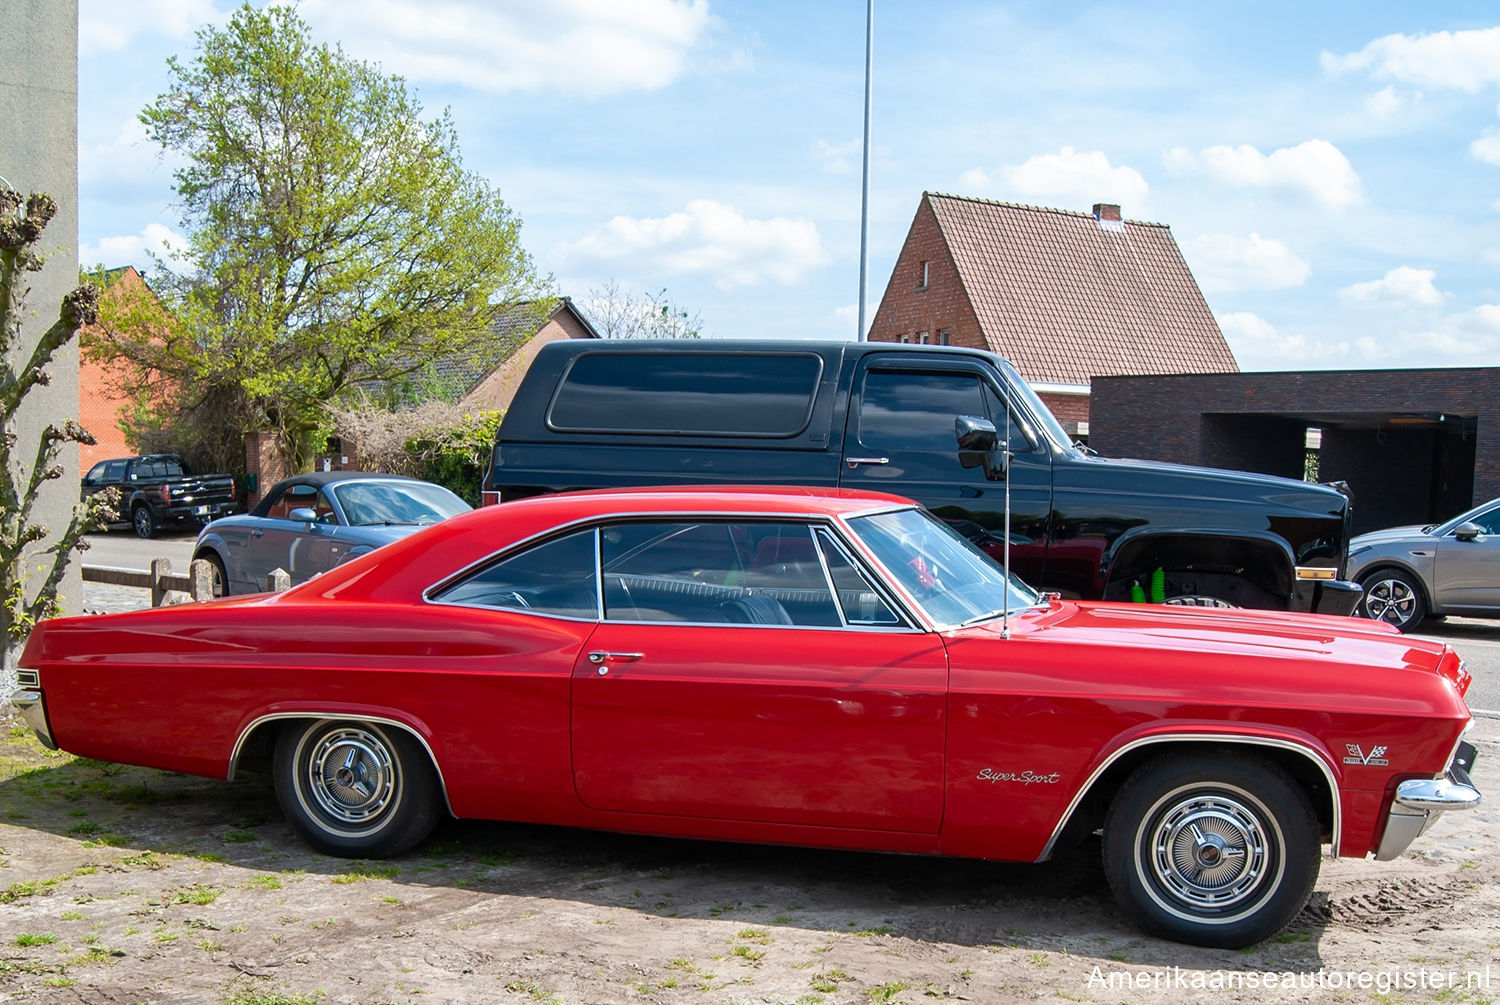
<point>319,479</point>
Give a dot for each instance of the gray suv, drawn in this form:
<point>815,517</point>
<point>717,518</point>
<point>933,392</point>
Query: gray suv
<point>1411,573</point>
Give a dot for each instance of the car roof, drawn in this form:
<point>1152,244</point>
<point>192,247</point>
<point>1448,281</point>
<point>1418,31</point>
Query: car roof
<point>787,499</point>
<point>320,478</point>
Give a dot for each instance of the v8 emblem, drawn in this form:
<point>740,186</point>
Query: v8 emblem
<point>1375,758</point>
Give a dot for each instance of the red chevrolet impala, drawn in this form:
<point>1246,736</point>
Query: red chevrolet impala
<point>824,668</point>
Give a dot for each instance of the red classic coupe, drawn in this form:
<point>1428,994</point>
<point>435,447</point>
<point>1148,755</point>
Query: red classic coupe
<point>831,668</point>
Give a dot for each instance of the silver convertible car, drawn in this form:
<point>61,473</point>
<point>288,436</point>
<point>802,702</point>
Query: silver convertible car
<point>308,524</point>
<point>1411,573</point>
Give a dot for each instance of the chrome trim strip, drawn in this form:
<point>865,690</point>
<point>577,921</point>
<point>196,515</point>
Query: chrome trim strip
<point>234,755</point>
<point>1259,741</point>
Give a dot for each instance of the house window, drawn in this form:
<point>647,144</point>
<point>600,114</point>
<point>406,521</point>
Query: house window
<point>922,277</point>
<point>943,337</point>
<point>905,339</point>
<point>923,338</point>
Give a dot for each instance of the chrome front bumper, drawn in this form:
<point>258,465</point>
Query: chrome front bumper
<point>33,708</point>
<point>1420,801</point>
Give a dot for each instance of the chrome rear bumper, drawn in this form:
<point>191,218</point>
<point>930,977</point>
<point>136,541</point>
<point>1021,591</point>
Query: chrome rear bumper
<point>1420,801</point>
<point>33,708</point>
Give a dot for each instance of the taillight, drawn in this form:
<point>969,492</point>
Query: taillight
<point>166,493</point>
<point>488,498</point>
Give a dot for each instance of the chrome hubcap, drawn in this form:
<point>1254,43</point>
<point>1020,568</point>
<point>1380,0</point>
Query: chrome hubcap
<point>351,776</point>
<point>1209,852</point>
<point>1390,600</point>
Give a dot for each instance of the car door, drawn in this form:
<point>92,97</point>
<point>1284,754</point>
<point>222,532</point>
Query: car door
<point>728,680</point>
<point>1466,574</point>
<point>273,543</point>
<point>901,439</point>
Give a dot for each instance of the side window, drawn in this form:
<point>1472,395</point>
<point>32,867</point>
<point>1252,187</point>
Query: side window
<point>171,467</point>
<point>95,475</point>
<point>114,471</point>
<point>1006,423</point>
<point>323,507</point>
<point>907,410</point>
<point>860,601</point>
<point>1489,522</point>
<point>715,572</point>
<point>554,577</point>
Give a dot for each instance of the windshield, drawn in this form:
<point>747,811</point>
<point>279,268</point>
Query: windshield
<point>953,581</point>
<point>396,502</point>
<point>1039,411</point>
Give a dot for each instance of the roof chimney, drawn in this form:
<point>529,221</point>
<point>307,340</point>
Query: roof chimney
<point>1107,215</point>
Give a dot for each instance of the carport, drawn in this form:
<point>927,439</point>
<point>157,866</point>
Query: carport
<point>1414,446</point>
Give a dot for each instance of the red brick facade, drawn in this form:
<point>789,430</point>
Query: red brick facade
<point>100,400</point>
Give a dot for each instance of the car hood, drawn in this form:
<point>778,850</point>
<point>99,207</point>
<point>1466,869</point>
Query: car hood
<point>1257,656</point>
<point>1415,532</point>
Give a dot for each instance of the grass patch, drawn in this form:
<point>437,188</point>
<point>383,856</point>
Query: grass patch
<point>196,894</point>
<point>266,882</point>
<point>361,871</point>
<point>26,939</point>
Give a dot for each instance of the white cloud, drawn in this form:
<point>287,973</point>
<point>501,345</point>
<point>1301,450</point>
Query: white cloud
<point>1461,60</point>
<point>1315,169</point>
<point>974,180</point>
<point>1223,262</point>
<point>1386,102</point>
<point>136,249</point>
<point>1487,149</point>
<point>709,239</point>
<point>586,47</point>
<point>1403,286</point>
<point>1071,179</point>
<point>1257,345</point>
<point>109,26</point>
<point>838,158</point>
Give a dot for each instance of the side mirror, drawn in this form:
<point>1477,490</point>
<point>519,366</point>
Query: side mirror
<point>979,445</point>
<point>303,513</point>
<point>1468,531</point>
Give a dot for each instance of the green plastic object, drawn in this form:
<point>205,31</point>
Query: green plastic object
<point>1159,586</point>
<point>1137,595</point>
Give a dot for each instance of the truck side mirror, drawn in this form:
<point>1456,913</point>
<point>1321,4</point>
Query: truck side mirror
<point>980,445</point>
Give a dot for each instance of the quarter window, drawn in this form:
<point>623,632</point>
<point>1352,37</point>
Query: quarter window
<point>554,577</point>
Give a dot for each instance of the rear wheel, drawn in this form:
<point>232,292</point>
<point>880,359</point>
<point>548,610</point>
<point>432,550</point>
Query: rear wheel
<point>143,521</point>
<point>1394,597</point>
<point>1211,850</point>
<point>221,578</point>
<point>355,789</point>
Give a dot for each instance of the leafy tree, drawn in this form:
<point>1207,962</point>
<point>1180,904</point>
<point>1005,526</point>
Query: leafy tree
<point>335,241</point>
<point>29,576</point>
<point>617,313</point>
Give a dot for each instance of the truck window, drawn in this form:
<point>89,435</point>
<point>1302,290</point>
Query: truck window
<point>713,393</point>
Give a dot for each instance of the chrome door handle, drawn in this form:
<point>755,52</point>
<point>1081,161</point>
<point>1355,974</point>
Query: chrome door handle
<point>598,656</point>
<point>851,461</point>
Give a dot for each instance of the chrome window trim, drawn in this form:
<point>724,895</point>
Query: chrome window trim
<point>1306,751</point>
<point>317,716</point>
<point>916,621</point>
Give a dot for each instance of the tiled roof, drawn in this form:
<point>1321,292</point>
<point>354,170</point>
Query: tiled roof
<point>1065,297</point>
<point>509,330</point>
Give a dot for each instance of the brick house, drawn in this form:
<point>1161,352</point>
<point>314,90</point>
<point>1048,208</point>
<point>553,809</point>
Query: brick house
<point>100,398</point>
<point>493,385</point>
<point>1064,296</point>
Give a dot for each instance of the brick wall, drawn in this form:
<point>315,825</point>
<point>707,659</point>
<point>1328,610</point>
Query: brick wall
<point>263,466</point>
<point>909,308</point>
<point>1399,473</point>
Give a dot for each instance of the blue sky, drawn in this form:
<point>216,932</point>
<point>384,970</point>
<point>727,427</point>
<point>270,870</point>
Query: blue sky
<point>1330,170</point>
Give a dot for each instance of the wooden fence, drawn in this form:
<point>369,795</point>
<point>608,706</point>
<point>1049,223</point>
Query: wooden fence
<point>167,588</point>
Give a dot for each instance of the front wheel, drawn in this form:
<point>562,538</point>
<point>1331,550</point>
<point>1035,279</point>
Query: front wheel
<point>1217,850</point>
<point>355,789</point>
<point>1393,597</point>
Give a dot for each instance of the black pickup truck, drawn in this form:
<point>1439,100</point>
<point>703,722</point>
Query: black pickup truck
<point>159,488</point>
<point>956,429</point>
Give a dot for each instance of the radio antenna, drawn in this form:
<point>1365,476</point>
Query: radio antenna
<point>1005,467</point>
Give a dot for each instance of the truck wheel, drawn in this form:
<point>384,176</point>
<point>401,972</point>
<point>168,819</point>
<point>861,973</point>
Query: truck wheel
<point>1394,597</point>
<point>1212,850</point>
<point>355,789</point>
<point>144,522</point>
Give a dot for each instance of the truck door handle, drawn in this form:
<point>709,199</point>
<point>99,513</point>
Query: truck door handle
<point>852,461</point>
